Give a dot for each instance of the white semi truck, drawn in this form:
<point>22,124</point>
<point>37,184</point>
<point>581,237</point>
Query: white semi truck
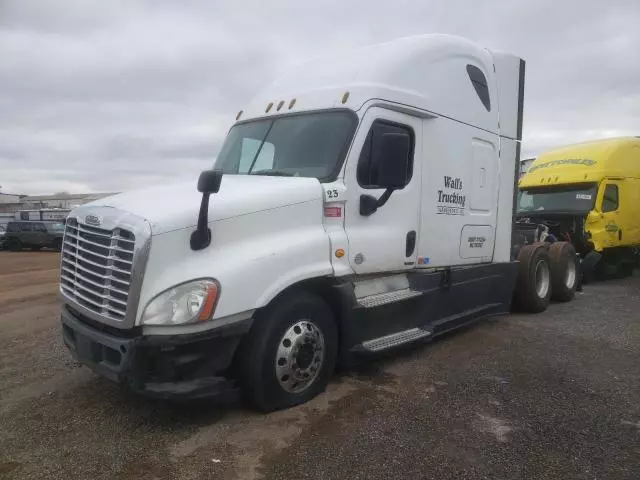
<point>359,203</point>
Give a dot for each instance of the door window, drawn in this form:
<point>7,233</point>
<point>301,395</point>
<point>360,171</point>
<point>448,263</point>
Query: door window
<point>610,199</point>
<point>370,155</point>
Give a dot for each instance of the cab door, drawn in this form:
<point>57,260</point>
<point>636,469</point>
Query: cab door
<point>385,240</point>
<point>610,207</point>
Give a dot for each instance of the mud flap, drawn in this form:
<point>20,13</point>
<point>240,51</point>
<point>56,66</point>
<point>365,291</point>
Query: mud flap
<point>587,265</point>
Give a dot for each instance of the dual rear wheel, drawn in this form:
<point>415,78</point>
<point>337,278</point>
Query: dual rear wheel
<point>545,272</point>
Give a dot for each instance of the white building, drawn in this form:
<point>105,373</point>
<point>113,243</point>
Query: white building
<point>42,207</point>
<point>60,200</point>
<point>9,198</point>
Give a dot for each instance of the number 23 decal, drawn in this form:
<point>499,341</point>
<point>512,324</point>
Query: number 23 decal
<point>332,193</point>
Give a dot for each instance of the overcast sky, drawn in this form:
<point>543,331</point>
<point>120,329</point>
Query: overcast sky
<point>110,95</point>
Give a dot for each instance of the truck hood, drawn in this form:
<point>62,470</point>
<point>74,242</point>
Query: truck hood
<point>176,206</point>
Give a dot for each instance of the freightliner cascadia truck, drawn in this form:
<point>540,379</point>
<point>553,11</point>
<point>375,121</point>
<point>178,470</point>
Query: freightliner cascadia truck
<point>360,203</point>
<point>588,194</point>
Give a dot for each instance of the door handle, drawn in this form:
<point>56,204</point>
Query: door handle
<point>411,243</point>
<point>445,279</point>
<point>619,234</point>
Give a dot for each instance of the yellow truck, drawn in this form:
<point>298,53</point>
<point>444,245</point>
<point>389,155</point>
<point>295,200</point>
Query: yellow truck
<point>588,194</point>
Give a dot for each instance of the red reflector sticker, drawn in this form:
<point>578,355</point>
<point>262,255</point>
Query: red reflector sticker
<point>332,212</point>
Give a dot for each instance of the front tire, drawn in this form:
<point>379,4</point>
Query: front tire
<point>290,353</point>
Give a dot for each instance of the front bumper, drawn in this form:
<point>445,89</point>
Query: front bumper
<point>176,367</point>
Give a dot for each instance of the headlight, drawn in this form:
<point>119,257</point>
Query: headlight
<point>187,303</point>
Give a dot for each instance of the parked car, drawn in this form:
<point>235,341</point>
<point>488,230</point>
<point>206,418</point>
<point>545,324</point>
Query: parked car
<point>2,235</point>
<point>35,235</point>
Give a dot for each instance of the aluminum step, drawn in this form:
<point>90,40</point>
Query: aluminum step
<point>395,339</point>
<point>379,299</point>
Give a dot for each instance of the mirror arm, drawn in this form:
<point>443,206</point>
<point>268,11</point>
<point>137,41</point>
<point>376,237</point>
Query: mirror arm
<point>370,204</point>
<point>385,196</point>
<point>201,238</point>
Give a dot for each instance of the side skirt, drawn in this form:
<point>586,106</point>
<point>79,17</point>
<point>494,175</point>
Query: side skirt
<point>389,311</point>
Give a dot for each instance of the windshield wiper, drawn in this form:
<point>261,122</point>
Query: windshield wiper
<point>253,162</point>
<point>273,172</point>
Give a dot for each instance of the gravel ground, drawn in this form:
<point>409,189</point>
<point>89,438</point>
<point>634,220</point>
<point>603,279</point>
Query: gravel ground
<point>543,396</point>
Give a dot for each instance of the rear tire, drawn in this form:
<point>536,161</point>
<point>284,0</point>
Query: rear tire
<point>14,244</point>
<point>290,353</point>
<point>533,283</point>
<point>564,271</point>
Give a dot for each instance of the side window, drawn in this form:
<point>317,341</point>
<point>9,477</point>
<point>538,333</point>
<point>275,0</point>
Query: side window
<point>26,227</point>
<point>39,227</point>
<point>367,172</point>
<point>248,152</point>
<point>479,82</point>
<point>610,199</point>
<point>12,228</point>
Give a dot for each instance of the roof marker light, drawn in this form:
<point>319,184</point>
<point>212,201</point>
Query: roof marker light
<point>269,107</point>
<point>345,97</point>
<point>292,103</point>
<point>239,115</point>
<point>280,104</point>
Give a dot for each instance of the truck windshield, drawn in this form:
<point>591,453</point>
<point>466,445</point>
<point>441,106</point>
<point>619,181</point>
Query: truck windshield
<point>306,145</point>
<point>565,198</point>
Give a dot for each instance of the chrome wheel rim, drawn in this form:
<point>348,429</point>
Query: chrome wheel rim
<point>570,277</point>
<point>300,356</point>
<point>542,278</point>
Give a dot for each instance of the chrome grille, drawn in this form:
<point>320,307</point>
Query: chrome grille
<point>96,268</point>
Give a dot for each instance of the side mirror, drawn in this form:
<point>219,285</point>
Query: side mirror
<point>208,183</point>
<point>393,159</point>
<point>393,151</point>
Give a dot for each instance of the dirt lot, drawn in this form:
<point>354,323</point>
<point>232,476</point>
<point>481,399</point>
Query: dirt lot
<point>547,396</point>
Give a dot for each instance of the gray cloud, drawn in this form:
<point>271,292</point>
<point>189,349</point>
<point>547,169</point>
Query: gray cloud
<point>113,95</point>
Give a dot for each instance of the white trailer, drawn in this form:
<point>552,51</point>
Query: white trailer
<point>359,203</point>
